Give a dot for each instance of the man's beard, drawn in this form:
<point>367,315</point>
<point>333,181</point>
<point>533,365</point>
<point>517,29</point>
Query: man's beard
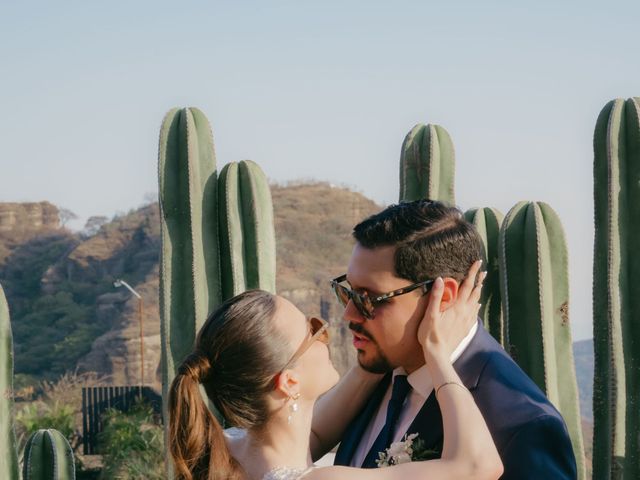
<point>380,363</point>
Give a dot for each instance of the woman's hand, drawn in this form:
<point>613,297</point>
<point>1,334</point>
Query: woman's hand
<point>440,332</point>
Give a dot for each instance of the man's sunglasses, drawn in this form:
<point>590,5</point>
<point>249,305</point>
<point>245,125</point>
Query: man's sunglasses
<point>363,302</point>
<point>318,330</point>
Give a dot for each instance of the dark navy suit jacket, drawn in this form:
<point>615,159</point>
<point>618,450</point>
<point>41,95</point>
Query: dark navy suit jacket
<point>528,431</point>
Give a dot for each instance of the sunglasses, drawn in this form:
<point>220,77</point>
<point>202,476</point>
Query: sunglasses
<point>318,330</point>
<point>363,302</point>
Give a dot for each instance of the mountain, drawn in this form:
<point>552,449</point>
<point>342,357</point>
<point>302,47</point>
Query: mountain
<point>66,312</point>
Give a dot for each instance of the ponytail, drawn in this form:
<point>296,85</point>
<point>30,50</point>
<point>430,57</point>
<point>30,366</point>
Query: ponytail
<point>197,443</point>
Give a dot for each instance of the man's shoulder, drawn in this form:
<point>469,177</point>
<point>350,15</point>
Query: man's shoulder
<point>508,389</point>
<point>501,387</point>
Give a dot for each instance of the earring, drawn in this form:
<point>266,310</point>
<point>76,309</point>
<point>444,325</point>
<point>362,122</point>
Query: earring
<point>293,408</point>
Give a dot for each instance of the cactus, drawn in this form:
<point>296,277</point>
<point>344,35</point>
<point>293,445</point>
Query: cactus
<point>48,456</point>
<point>427,165</point>
<point>189,269</point>
<point>8,452</point>
<point>207,253</point>
<point>487,222</point>
<point>616,303</point>
<point>247,235</point>
<point>534,284</point>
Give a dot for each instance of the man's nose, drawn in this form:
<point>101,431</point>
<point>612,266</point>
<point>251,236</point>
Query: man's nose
<point>351,314</point>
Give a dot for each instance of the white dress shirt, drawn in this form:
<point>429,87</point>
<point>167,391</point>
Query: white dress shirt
<point>421,388</point>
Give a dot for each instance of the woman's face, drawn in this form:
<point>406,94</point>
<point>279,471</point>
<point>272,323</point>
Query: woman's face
<point>314,367</point>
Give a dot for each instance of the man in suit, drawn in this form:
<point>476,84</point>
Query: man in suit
<point>398,250</point>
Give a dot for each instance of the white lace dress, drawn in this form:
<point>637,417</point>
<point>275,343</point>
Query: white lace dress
<point>278,473</point>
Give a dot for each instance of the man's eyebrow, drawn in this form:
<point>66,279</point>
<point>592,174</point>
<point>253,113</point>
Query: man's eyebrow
<point>371,291</point>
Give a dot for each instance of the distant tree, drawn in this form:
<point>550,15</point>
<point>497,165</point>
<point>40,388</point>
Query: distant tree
<point>66,215</point>
<point>149,198</point>
<point>93,225</point>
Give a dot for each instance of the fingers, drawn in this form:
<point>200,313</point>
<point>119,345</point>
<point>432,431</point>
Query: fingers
<point>433,308</point>
<point>467,284</point>
<point>477,290</point>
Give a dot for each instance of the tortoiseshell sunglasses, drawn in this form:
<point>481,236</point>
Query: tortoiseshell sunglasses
<point>363,302</point>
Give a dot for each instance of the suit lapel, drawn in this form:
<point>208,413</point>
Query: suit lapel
<point>353,435</point>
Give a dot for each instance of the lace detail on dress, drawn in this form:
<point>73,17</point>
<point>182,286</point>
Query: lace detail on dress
<point>286,473</point>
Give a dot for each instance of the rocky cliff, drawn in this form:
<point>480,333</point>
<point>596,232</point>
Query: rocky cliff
<point>313,225</point>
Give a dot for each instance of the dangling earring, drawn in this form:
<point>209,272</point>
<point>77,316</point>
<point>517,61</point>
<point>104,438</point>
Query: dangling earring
<point>293,408</point>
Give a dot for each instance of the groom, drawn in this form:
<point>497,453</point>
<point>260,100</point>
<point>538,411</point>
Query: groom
<point>404,245</point>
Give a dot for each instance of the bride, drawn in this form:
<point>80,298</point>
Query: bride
<point>264,366</point>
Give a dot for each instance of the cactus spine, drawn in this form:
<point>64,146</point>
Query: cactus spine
<point>247,235</point>
<point>8,453</point>
<point>48,456</point>
<point>616,303</point>
<point>427,165</point>
<point>487,222</point>
<point>534,277</point>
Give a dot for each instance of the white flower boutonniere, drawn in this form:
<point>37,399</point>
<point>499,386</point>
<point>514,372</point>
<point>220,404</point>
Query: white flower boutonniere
<point>409,449</point>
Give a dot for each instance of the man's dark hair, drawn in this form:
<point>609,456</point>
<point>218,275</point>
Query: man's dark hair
<point>431,238</point>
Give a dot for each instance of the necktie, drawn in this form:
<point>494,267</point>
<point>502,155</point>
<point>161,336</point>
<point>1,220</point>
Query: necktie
<point>399,393</point>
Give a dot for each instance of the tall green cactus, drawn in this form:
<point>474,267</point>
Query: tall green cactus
<point>8,452</point>
<point>534,277</point>
<point>208,253</point>
<point>189,265</point>
<point>616,302</point>
<point>247,235</point>
<point>427,165</point>
<point>48,456</point>
<point>488,221</point>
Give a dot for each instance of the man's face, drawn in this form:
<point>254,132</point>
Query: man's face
<point>389,339</point>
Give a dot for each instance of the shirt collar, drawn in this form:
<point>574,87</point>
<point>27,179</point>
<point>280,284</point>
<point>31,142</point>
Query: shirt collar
<point>420,380</point>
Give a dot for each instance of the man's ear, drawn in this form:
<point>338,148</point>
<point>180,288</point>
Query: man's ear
<point>287,383</point>
<point>450,293</point>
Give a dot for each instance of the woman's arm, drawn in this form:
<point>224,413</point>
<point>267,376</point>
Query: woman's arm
<point>334,411</point>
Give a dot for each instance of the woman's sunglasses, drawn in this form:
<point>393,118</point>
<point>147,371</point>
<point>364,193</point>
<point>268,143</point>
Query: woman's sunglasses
<point>363,302</point>
<point>318,330</point>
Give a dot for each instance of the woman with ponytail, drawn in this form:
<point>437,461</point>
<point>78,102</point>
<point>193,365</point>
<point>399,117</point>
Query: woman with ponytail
<point>264,365</point>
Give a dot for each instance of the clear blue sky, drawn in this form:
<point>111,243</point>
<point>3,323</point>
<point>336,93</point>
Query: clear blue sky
<point>323,90</point>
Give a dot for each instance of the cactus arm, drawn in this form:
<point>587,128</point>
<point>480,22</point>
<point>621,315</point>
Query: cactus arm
<point>259,233</point>
<point>204,215</point>
<point>609,396</point>
<point>189,272</point>
<point>447,166</point>
<point>535,273</point>
<point>487,222</point>
<point>563,381</point>
<point>631,261</point>
<point>232,260</point>
<point>521,303</point>
<point>427,165</point>
<point>48,456</point>
<point>8,452</point>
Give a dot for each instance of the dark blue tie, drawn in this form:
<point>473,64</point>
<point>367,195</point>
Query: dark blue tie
<point>399,392</point>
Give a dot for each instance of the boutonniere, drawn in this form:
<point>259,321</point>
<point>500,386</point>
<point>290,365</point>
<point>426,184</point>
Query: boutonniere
<point>409,449</point>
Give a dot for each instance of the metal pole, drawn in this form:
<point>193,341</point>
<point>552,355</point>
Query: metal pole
<point>122,283</point>
<point>140,314</point>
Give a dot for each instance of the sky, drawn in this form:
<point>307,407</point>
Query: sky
<point>317,90</point>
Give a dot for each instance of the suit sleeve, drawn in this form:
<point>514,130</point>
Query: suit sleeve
<point>540,449</point>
